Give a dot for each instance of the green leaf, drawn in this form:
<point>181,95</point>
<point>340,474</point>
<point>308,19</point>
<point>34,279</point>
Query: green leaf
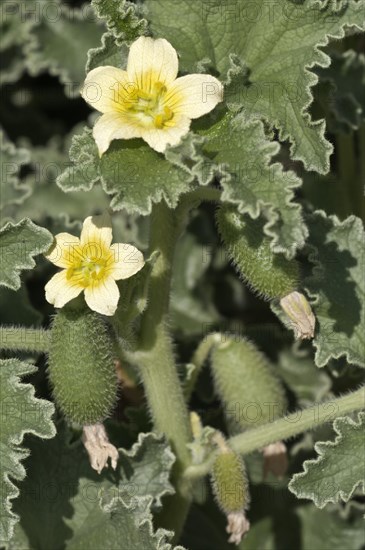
<point>84,509</point>
<point>337,287</point>
<point>61,38</point>
<point>18,244</point>
<point>242,155</point>
<point>21,413</point>
<point>14,33</point>
<point>12,190</point>
<point>146,468</point>
<point>339,468</point>
<point>131,171</point>
<point>346,76</point>
<point>278,44</point>
<point>300,373</point>
<point>192,309</point>
<point>15,308</point>
<point>122,19</point>
<point>322,529</point>
<point>109,53</point>
<point>46,199</point>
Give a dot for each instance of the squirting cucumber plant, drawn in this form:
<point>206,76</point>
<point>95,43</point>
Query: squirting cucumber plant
<point>182,275</point>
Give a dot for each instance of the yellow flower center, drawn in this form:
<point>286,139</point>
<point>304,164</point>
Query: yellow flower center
<point>149,106</point>
<point>90,265</point>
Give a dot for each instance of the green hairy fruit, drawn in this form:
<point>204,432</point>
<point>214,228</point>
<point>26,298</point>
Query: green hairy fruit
<point>229,482</point>
<point>247,385</point>
<point>81,367</point>
<point>270,275</point>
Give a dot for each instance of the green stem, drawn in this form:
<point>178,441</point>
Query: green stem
<point>192,200</point>
<point>24,339</point>
<point>198,360</point>
<point>284,428</point>
<point>156,362</point>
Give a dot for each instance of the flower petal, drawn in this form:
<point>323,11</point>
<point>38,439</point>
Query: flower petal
<point>60,290</point>
<point>170,134</point>
<point>103,296</point>
<point>105,88</point>
<point>194,95</point>
<point>149,57</point>
<point>114,126</point>
<point>63,249</point>
<point>128,260</point>
<point>96,235</point>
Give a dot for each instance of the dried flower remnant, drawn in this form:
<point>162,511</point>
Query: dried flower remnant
<point>99,448</point>
<point>275,459</point>
<point>299,311</point>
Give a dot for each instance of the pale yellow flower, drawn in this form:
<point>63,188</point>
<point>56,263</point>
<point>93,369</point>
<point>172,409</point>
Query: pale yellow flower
<point>148,100</point>
<point>91,264</point>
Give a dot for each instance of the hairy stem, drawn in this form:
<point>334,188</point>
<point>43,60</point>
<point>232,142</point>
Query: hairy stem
<point>284,428</point>
<point>199,358</point>
<point>156,362</point>
<point>24,339</point>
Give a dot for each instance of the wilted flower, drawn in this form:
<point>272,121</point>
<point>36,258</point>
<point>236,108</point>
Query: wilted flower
<point>300,313</point>
<point>98,447</point>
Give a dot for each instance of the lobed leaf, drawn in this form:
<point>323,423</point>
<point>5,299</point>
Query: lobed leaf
<point>133,173</point>
<point>346,76</point>
<point>12,190</point>
<point>339,468</point>
<point>61,38</point>
<point>122,19</point>
<point>14,33</point>
<point>85,509</point>
<point>19,243</point>
<point>322,529</point>
<point>192,310</point>
<point>21,413</point>
<point>279,44</point>
<point>337,287</point>
<point>242,156</point>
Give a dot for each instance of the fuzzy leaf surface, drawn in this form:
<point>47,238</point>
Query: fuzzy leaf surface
<point>278,44</point>
<point>339,468</point>
<point>86,509</point>
<point>122,19</point>
<point>133,173</point>
<point>12,190</point>
<point>61,38</point>
<point>346,75</point>
<point>337,286</point>
<point>22,413</point>
<point>243,155</point>
<point>19,243</point>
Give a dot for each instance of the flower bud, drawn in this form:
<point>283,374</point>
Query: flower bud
<point>297,308</point>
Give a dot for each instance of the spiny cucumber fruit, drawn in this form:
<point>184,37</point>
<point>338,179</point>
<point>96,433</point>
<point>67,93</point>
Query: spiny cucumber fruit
<point>81,367</point>
<point>245,381</point>
<point>229,482</point>
<point>270,275</point>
